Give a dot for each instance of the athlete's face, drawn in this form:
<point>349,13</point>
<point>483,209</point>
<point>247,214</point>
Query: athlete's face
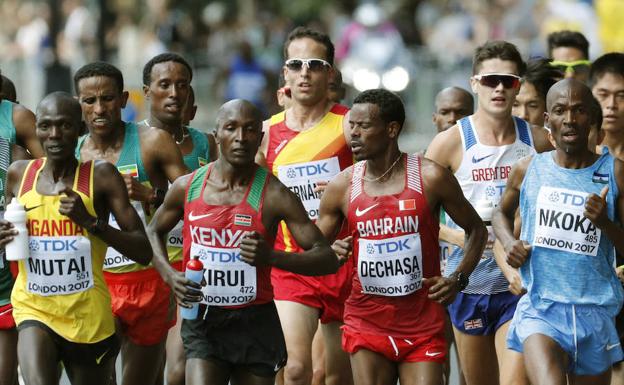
<point>58,126</point>
<point>569,119</point>
<point>308,86</point>
<point>370,135</point>
<point>239,133</point>
<point>609,91</point>
<point>168,91</point>
<point>529,105</point>
<point>450,107</point>
<point>495,100</point>
<point>571,55</point>
<point>101,101</point>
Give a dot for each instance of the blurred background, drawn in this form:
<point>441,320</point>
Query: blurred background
<point>414,47</point>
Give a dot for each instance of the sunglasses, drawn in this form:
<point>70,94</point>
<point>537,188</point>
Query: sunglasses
<point>571,66</point>
<point>311,64</point>
<point>493,80</point>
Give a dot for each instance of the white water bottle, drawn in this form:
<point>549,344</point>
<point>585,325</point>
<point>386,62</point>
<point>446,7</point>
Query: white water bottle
<point>17,249</point>
<point>194,272</point>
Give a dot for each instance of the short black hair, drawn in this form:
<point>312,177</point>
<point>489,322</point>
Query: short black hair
<point>319,37</point>
<point>163,58</point>
<point>608,63</point>
<point>390,105</point>
<point>497,49</point>
<point>568,39</point>
<point>99,68</point>
<point>541,75</point>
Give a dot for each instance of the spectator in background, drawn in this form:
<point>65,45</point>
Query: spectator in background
<point>569,51</point>
<point>530,103</point>
<point>245,78</point>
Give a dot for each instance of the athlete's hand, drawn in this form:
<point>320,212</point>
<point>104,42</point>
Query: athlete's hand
<point>515,283</point>
<point>254,250</point>
<point>596,208</point>
<point>343,248</point>
<point>7,232</point>
<point>138,192</point>
<point>517,253</point>
<point>186,291</point>
<point>73,207</point>
<point>441,289</point>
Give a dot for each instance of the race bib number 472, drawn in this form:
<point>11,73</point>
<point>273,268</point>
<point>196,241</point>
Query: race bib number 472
<point>560,223</point>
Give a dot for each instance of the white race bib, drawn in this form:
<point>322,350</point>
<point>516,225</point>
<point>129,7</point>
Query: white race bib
<point>301,178</point>
<point>113,257</point>
<point>390,267</point>
<point>229,281</point>
<point>59,265</point>
<point>174,238</point>
<point>560,224</point>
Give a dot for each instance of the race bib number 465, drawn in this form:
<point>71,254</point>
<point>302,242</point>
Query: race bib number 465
<point>560,223</point>
<point>59,265</point>
<point>390,267</point>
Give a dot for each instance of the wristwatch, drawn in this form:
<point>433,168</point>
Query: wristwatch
<point>97,227</point>
<point>461,279</point>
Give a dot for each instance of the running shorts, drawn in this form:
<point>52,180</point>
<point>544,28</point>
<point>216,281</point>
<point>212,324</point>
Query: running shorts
<point>482,314</point>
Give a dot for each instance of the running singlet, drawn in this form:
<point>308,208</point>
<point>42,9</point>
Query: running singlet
<point>300,159</point>
<point>395,246</point>
<point>193,160</point>
<point>482,176</point>
<point>214,232</point>
<point>129,162</point>
<point>62,284</point>
<point>7,140</point>
<point>566,245</point>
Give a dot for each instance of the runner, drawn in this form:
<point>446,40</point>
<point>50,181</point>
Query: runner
<point>305,146</point>
<point>451,104</point>
<point>565,326</point>
<point>62,306</point>
<point>7,90</point>
<point>148,159</point>
<point>394,329</point>
<point>480,151</point>
<point>238,336</point>
<point>530,103</point>
<point>569,51</point>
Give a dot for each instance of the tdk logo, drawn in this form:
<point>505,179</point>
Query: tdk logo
<point>56,245</point>
<point>567,198</point>
<point>392,246</point>
<point>307,170</point>
<point>220,256</point>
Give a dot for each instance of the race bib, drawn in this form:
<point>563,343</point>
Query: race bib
<point>560,224</point>
<point>113,257</point>
<point>174,239</point>
<point>59,265</point>
<point>390,267</point>
<point>301,178</point>
<point>229,281</point>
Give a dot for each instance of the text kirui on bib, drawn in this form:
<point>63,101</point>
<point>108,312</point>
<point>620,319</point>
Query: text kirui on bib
<point>301,178</point>
<point>59,265</point>
<point>229,281</point>
<point>560,223</point>
<point>390,267</point>
<point>113,257</point>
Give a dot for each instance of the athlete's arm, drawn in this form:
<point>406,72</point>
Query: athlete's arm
<point>318,257</point>
<point>596,210</point>
<point>24,122</point>
<point>503,216</point>
<point>111,196</point>
<point>165,219</point>
<point>441,188</point>
<point>540,139</point>
<point>264,145</point>
<point>333,210</point>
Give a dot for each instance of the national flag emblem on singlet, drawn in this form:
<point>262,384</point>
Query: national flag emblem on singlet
<point>131,169</point>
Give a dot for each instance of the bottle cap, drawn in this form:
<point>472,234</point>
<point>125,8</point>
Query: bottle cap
<point>15,205</point>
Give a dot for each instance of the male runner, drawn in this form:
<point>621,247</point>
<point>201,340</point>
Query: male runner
<point>451,104</point>
<point>394,329</point>
<point>148,159</point>
<point>7,89</point>
<point>17,128</point>
<point>230,225</point>
<point>530,103</point>
<point>480,151</point>
<point>61,303</point>
<point>305,146</point>
<point>569,51</point>
<point>569,202</point>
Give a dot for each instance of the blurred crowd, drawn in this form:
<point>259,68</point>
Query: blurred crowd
<point>235,46</point>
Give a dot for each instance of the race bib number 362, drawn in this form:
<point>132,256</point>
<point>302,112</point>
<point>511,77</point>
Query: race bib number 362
<point>560,223</point>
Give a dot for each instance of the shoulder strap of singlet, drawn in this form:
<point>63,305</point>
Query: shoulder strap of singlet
<point>277,118</point>
<point>84,177</point>
<point>524,131</point>
<point>28,181</point>
<point>413,173</point>
<point>468,135</point>
<point>81,140</point>
<point>194,188</point>
<point>356,180</point>
<point>254,197</point>
<point>201,145</point>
